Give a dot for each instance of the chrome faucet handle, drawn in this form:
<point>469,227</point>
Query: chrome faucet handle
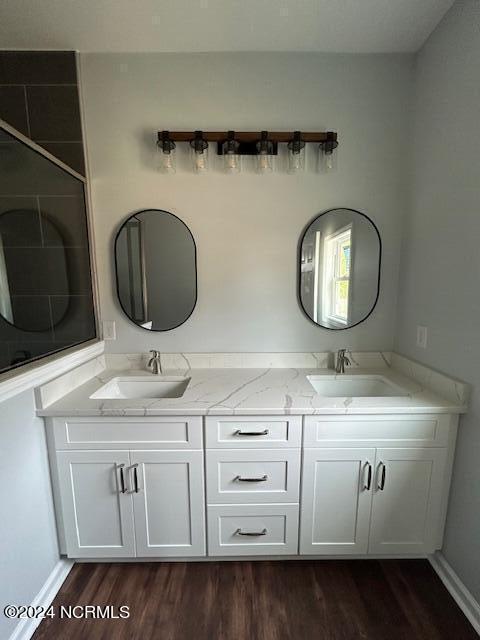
<point>342,360</point>
<point>155,363</point>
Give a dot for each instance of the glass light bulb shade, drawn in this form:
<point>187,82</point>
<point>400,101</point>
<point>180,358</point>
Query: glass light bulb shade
<point>232,162</point>
<point>200,160</point>
<point>166,160</point>
<point>264,163</point>
<point>296,160</point>
<point>327,160</point>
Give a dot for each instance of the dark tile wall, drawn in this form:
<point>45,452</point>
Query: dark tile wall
<point>39,97</point>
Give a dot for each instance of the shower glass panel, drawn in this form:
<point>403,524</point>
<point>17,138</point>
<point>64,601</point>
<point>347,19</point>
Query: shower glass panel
<point>46,298</point>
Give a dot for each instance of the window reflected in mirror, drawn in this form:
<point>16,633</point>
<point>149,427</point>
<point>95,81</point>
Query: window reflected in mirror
<point>340,268</point>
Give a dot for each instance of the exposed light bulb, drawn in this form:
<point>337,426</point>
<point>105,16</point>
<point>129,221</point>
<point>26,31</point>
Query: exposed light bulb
<point>296,153</point>
<point>199,148</point>
<point>265,150</point>
<point>231,157</point>
<point>166,153</point>
<point>200,162</point>
<point>264,163</point>
<point>327,155</point>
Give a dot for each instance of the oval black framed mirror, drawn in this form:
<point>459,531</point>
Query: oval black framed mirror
<point>32,254</point>
<point>156,270</point>
<point>339,272</point>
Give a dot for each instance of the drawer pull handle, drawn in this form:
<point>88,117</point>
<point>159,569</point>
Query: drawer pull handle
<point>368,484</point>
<point>240,479</point>
<point>122,478</point>
<point>381,484</point>
<point>238,432</point>
<point>252,534</point>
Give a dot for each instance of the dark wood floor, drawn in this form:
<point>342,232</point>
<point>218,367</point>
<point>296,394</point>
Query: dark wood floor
<point>304,600</point>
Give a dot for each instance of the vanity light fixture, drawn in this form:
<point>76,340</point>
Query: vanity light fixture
<point>262,145</point>
<point>199,149</point>
<point>327,153</point>
<point>296,153</point>
<point>231,156</point>
<point>166,152</point>
<point>265,151</point>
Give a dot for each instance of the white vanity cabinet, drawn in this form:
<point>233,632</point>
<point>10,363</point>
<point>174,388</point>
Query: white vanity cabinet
<point>382,499</point>
<point>326,485</point>
<point>144,501</point>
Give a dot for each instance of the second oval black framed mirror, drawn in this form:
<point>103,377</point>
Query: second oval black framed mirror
<point>339,272</point>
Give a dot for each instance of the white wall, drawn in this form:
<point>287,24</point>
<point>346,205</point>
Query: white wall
<point>247,227</point>
<point>441,259</point>
<point>28,538</point>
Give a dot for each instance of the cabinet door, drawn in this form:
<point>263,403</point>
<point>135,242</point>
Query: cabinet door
<point>98,516</point>
<point>168,499</point>
<point>336,501</point>
<point>406,501</point>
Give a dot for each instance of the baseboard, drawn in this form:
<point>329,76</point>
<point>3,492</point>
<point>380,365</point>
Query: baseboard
<point>44,598</point>
<point>456,588</point>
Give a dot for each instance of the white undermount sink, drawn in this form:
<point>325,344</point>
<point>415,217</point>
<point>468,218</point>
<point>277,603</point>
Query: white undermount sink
<point>142,387</point>
<point>361,386</point>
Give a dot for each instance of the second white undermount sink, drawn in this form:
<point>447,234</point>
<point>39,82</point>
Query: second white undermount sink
<point>361,386</point>
<point>142,387</point>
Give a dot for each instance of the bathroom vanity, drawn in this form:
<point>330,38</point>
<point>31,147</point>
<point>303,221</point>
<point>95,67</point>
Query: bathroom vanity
<point>251,462</point>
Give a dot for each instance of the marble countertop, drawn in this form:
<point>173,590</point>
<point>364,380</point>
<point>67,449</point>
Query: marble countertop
<point>268,391</point>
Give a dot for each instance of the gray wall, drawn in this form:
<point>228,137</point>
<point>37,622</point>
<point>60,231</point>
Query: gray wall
<point>247,227</point>
<point>441,263</point>
<point>28,539</point>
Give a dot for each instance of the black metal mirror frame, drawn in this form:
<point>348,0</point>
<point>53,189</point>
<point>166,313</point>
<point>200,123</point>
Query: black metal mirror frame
<point>117,235</point>
<point>299,264</point>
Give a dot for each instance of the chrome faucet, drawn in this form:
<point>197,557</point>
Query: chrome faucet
<point>155,363</point>
<point>342,361</point>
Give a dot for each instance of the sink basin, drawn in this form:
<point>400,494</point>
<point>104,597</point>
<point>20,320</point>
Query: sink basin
<point>142,387</point>
<point>368,386</point>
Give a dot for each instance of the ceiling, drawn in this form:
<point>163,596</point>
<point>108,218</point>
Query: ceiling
<point>340,26</point>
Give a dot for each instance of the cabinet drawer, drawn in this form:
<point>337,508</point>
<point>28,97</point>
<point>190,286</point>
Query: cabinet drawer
<point>120,433</point>
<point>267,530</point>
<point>267,475</point>
<point>396,430</point>
<point>253,432</point>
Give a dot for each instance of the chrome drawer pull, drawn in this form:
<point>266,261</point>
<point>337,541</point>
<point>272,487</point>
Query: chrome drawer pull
<point>254,534</point>
<point>240,479</point>
<point>238,432</point>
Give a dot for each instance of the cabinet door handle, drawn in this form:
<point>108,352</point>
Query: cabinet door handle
<point>122,478</point>
<point>239,532</point>
<point>368,484</point>
<point>238,432</point>
<point>381,484</point>
<point>135,477</point>
<point>240,479</point>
